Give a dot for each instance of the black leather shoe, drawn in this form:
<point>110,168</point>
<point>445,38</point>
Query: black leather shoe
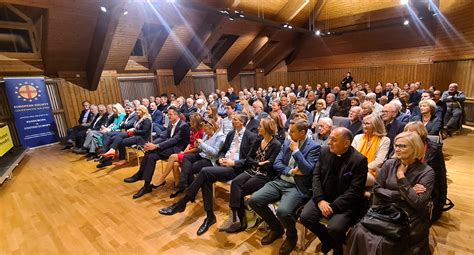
<point>131,179</point>
<point>67,147</point>
<point>159,185</point>
<point>173,209</point>
<point>205,225</point>
<point>236,227</point>
<point>288,246</point>
<point>104,163</point>
<point>176,192</point>
<point>144,190</point>
<point>271,237</point>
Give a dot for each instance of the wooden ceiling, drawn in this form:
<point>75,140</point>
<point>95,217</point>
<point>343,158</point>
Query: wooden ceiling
<point>77,36</point>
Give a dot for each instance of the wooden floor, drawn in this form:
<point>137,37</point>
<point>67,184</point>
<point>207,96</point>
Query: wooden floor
<point>57,203</point>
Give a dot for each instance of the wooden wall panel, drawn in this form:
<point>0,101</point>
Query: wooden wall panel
<point>275,79</point>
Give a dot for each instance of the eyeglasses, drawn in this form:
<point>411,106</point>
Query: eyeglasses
<point>400,146</point>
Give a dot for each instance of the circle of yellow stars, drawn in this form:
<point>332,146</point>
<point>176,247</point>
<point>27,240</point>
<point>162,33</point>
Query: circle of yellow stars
<point>25,99</point>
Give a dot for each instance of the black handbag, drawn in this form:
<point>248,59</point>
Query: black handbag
<point>387,220</point>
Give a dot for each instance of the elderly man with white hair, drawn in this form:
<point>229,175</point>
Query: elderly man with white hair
<point>325,126</point>
<point>372,97</point>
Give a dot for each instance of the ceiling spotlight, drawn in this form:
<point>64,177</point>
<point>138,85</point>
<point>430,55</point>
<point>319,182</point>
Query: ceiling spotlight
<point>290,27</point>
<point>170,1</point>
<point>103,9</point>
<point>285,25</point>
<point>404,1</point>
<point>242,15</point>
<point>434,14</point>
<point>318,32</point>
<point>406,22</point>
<point>329,33</point>
<point>230,18</point>
<point>125,12</point>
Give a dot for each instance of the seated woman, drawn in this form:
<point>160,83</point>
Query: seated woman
<point>367,108</point>
<point>192,163</point>
<point>195,121</point>
<point>435,159</point>
<point>213,115</point>
<point>281,131</point>
<point>260,171</point>
<point>138,135</point>
<point>94,138</point>
<point>319,113</point>
<point>407,182</point>
<point>373,144</point>
<point>428,117</point>
<point>276,108</point>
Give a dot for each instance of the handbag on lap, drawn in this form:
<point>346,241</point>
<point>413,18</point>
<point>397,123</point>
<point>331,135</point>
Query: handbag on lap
<point>387,220</point>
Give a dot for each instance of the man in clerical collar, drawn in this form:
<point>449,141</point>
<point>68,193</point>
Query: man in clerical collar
<point>338,191</point>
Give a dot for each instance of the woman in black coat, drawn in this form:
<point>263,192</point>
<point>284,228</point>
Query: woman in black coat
<point>259,171</point>
<point>435,159</point>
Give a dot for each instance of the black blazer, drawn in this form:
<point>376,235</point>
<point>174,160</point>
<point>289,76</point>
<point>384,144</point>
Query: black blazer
<point>355,128</point>
<point>143,129</point>
<point>89,117</point>
<point>178,141</point>
<point>393,129</point>
<point>97,125</point>
<point>252,125</point>
<point>273,148</point>
<point>248,142</point>
<point>351,181</point>
<point>129,121</point>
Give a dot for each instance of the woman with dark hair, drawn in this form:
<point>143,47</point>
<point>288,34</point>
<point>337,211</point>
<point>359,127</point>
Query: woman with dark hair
<point>406,182</point>
<point>254,177</point>
<point>281,132</point>
<point>175,160</point>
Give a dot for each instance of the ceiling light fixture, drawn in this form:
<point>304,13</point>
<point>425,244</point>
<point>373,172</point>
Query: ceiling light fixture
<point>406,22</point>
<point>404,1</point>
<point>103,9</point>
<point>318,32</point>
<point>125,13</point>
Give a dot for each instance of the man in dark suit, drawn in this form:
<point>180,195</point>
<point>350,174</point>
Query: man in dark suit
<point>338,191</point>
<point>292,187</point>
<point>157,119</point>
<point>393,126</point>
<point>388,91</point>
<point>343,104</point>
<point>173,140</point>
<point>84,121</point>
<point>99,120</point>
<point>354,123</point>
<point>231,163</point>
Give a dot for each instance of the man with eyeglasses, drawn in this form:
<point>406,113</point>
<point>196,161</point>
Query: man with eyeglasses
<point>300,108</point>
<point>353,123</point>
<point>393,126</point>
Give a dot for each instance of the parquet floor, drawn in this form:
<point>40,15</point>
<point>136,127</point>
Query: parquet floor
<point>57,203</point>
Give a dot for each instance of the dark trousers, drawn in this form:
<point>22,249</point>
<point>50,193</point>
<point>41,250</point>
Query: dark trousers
<point>120,143</point>
<point>242,185</point>
<point>204,181</point>
<point>335,232</point>
<point>191,165</point>
<point>148,164</point>
<point>108,137</point>
<point>80,137</point>
<point>72,132</point>
<point>452,119</point>
<point>290,200</point>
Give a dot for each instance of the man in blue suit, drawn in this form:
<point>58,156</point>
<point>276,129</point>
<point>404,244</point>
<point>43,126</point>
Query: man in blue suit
<point>294,166</point>
<point>157,119</point>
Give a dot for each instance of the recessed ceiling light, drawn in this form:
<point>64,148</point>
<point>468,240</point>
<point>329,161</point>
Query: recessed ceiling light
<point>318,32</point>
<point>103,9</point>
<point>406,22</point>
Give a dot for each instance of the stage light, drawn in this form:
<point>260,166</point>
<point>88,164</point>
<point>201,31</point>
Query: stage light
<point>125,13</point>
<point>318,32</point>
<point>404,1</point>
<point>329,33</point>
<point>242,15</point>
<point>103,9</point>
<point>230,18</point>
<point>285,25</point>
<point>290,27</point>
<point>406,22</point>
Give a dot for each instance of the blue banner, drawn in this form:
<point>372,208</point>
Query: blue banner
<point>29,102</point>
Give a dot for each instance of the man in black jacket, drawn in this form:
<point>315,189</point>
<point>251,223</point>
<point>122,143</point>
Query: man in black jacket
<point>393,126</point>
<point>84,121</point>
<point>231,162</point>
<point>171,141</point>
<point>338,191</point>
<point>99,120</point>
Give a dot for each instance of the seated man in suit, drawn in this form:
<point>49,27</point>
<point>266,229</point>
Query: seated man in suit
<point>171,141</point>
<point>231,161</point>
<point>84,121</point>
<point>157,119</point>
<point>338,191</point>
<point>325,126</point>
<point>99,120</point>
<point>292,187</point>
<point>393,126</point>
<point>354,123</point>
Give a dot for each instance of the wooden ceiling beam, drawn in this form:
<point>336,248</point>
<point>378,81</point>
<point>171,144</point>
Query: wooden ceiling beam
<point>279,52</point>
<point>102,41</point>
<point>291,9</point>
<point>202,42</point>
<point>153,50</point>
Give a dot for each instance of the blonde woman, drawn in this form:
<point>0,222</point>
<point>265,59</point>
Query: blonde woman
<point>407,182</point>
<point>139,134</point>
<point>373,144</point>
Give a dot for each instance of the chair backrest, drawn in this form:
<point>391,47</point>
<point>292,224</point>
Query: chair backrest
<point>434,138</point>
<point>337,121</point>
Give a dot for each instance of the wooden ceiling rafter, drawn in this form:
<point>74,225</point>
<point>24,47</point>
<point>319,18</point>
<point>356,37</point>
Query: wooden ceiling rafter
<point>105,29</point>
<point>157,41</point>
